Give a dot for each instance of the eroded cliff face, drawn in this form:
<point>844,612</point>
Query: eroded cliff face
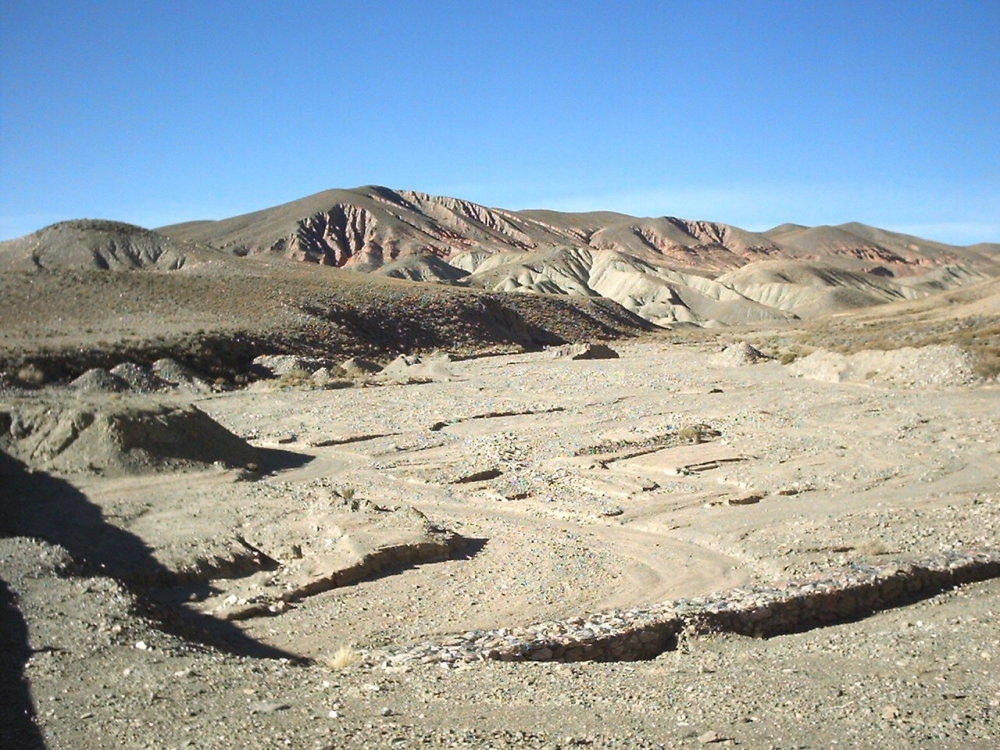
<point>666,269</point>
<point>349,234</point>
<point>342,235</point>
<point>369,227</point>
<point>405,223</point>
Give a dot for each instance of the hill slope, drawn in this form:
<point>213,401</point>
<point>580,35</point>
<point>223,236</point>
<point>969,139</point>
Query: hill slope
<point>666,270</point>
<point>99,245</point>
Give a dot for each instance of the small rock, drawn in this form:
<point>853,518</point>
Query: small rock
<point>709,737</point>
<point>890,713</point>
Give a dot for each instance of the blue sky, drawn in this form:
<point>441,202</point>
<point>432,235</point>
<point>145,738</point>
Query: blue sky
<point>750,113</point>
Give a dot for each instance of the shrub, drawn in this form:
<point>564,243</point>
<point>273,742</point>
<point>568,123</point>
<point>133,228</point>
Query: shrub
<point>696,433</point>
<point>295,378</point>
<point>342,658</point>
<point>32,375</point>
<point>987,363</point>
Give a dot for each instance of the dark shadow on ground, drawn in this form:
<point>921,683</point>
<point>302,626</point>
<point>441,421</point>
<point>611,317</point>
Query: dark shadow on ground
<point>17,712</point>
<point>470,547</point>
<point>35,504</point>
<point>271,460</point>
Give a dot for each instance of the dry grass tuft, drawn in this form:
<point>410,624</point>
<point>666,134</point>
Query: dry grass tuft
<point>987,363</point>
<point>342,658</point>
<point>32,375</point>
<point>872,547</point>
<point>697,433</point>
<point>295,379</point>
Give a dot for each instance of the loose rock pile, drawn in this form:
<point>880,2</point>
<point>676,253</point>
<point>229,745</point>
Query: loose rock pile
<point>758,611</point>
<point>739,355</point>
<point>165,374</point>
<point>99,379</point>
<point>277,365</point>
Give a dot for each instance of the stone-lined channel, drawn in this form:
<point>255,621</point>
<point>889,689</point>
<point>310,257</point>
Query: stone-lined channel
<point>758,611</point>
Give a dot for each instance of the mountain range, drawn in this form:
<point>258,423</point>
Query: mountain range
<point>666,270</point>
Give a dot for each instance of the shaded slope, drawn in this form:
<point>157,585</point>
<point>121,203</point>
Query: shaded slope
<point>218,317</point>
<point>422,268</point>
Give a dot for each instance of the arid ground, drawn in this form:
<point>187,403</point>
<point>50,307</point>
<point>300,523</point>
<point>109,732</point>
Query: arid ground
<point>222,526</point>
<point>518,455</point>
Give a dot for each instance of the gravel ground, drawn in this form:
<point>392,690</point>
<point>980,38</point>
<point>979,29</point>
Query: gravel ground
<point>580,487</point>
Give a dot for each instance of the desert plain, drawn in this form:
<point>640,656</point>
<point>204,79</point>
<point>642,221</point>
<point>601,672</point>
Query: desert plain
<point>255,502</point>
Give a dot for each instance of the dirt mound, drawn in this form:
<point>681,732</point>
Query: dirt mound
<point>928,366</point>
<point>583,351</point>
<point>118,439</point>
<point>99,380</point>
<point>359,366</point>
<point>138,378</point>
<point>330,540</point>
<point>739,355</point>
<point>325,378</point>
<point>180,376</point>
<point>277,365</point>
<point>412,367</point>
<point>129,376</point>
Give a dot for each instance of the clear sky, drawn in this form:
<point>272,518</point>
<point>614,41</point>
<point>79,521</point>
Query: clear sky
<point>749,112</point>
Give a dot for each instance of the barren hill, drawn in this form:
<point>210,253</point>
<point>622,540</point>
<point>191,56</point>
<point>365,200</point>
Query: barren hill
<point>295,551</point>
<point>217,316</point>
<point>369,226</point>
<point>666,269</point>
<point>101,245</point>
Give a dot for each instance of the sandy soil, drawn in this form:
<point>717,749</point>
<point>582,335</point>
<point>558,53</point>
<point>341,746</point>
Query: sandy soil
<point>576,486</point>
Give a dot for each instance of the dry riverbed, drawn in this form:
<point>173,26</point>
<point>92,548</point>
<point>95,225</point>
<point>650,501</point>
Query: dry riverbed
<point>214,610</point>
